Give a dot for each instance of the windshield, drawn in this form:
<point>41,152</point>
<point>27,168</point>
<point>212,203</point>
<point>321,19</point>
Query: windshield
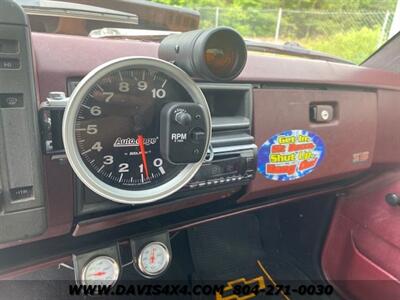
<point>351,30</point>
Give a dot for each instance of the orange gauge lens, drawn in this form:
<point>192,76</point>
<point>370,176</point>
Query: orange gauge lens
<point>220,61</point>
<point>221,55</point>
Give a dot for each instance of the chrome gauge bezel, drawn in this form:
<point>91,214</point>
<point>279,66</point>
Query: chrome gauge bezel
<point>142,269</point>
<point>114,263</point>
<point>71,146</point>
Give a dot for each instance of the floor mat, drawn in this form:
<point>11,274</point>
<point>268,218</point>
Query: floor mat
<point>214,245</point>
<point>231,251</point>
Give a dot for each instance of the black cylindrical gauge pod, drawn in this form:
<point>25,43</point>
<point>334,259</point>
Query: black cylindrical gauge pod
<point>217,54</point>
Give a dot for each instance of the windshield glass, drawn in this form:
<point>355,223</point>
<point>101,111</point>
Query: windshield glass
<point>351,30</point>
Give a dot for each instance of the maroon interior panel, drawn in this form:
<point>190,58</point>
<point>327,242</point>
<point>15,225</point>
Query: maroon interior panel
<point>361,256</point>
<point>387,143</point>
<point>59,57</point>
<point>261,68</point>
<point>352,131</point>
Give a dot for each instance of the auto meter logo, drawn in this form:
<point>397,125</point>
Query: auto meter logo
<point>290,155</point>
<point>128,142</point>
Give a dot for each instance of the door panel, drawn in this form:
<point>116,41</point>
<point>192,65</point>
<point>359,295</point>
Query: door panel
<point>361,256</point>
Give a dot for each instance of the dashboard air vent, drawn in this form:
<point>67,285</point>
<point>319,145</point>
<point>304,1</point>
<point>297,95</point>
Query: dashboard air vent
<point>231,111</point>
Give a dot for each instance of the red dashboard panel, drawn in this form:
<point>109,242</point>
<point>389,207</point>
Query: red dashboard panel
<point>59,57</point>
<point>387,143</point>
<point>277,110</point>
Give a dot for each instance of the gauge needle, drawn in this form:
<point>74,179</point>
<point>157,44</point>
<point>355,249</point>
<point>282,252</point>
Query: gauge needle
<point>99,274</point>
<point>152,257</point>
<point>140,140</point>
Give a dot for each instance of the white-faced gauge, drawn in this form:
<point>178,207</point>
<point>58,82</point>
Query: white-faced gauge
<point>153,259</point>
<point>101,270</point>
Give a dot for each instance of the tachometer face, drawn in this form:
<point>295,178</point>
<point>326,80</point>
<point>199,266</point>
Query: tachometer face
<point>111,129</point>
<point>117,127</point>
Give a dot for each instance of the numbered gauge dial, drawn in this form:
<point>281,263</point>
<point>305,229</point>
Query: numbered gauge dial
<point>117,128</point>
<point>154,259</point>
<point>111,129</point>
<point>102,270</point>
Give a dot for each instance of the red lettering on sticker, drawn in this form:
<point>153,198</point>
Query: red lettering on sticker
<point>300,147</point>
<point>276,169</point>
<point>278,148</point>
<point>308,164</point>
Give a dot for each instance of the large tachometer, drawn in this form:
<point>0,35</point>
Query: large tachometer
<point>129,123</point>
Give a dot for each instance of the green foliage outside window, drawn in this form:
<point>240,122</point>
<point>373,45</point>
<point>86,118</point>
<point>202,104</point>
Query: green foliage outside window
<point>351,29</point>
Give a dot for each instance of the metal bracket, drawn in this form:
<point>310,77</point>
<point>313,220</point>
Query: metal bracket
<point>210,153</point>
<point>62,265</point>
<point>55,100</point>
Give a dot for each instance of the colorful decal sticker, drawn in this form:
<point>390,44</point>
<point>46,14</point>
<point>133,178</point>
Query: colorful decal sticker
<point>290,155</point>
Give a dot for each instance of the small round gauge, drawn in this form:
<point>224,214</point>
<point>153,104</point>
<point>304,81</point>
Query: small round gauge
<point>101,270</point>
<point>154,259</point>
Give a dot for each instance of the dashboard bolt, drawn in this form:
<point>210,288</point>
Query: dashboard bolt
<point>392,199</point>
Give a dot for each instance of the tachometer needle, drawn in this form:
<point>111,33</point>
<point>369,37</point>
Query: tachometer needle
<point>140,141</point>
